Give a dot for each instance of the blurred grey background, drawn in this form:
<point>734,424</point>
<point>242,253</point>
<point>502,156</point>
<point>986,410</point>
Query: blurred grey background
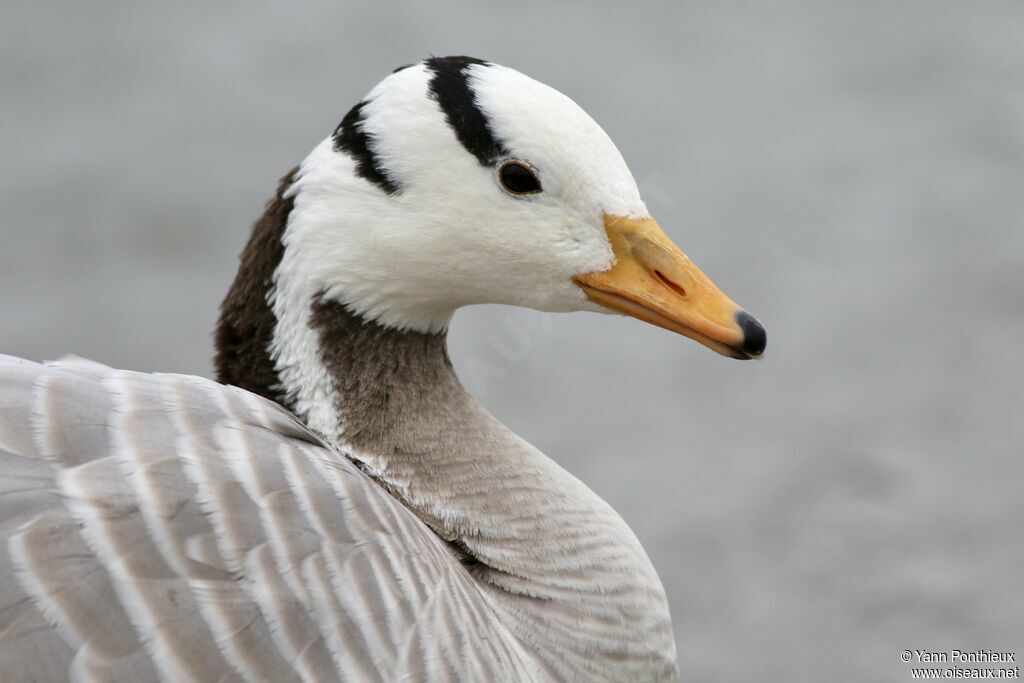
<point>851,173</point>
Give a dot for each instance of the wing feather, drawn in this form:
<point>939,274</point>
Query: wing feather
<point>168,528</point>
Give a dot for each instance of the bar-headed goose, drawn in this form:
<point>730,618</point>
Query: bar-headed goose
<point>340,509</point>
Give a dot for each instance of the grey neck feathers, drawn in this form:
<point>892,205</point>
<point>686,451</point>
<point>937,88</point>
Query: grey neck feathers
<point>394,388</point>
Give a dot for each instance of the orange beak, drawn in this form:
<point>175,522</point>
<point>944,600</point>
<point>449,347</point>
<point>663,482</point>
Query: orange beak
<point>654,281</point>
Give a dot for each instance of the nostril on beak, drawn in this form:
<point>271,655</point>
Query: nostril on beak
<point>754,336</point>
<point>678,289</point>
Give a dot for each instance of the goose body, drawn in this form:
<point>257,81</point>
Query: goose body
<point>337,507</point>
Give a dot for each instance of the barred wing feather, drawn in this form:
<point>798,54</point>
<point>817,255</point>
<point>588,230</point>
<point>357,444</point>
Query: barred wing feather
<point>168,528</point>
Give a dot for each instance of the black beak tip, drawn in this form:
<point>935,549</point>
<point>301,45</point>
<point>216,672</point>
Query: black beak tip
<point>755,339</point>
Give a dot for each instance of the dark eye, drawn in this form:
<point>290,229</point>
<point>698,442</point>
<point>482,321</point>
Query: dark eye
<point>518,178</point>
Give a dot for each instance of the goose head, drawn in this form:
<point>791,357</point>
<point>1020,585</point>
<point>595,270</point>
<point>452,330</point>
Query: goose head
<point>458,182</point>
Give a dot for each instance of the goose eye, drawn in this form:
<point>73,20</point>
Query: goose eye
<point>518,178</point>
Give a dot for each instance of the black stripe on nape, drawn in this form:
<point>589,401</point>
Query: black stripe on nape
<point>450,87</point>
<point>350,137</point>
<point>246,325</point>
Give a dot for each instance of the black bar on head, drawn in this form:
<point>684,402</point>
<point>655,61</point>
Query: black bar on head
<point>350,137</point>
<point>450,87</point>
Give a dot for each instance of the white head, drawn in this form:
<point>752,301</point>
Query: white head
<point>409,211</point>
<point>441,231</point>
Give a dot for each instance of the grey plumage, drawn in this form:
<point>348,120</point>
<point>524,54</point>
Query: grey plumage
<point>177,529</point>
